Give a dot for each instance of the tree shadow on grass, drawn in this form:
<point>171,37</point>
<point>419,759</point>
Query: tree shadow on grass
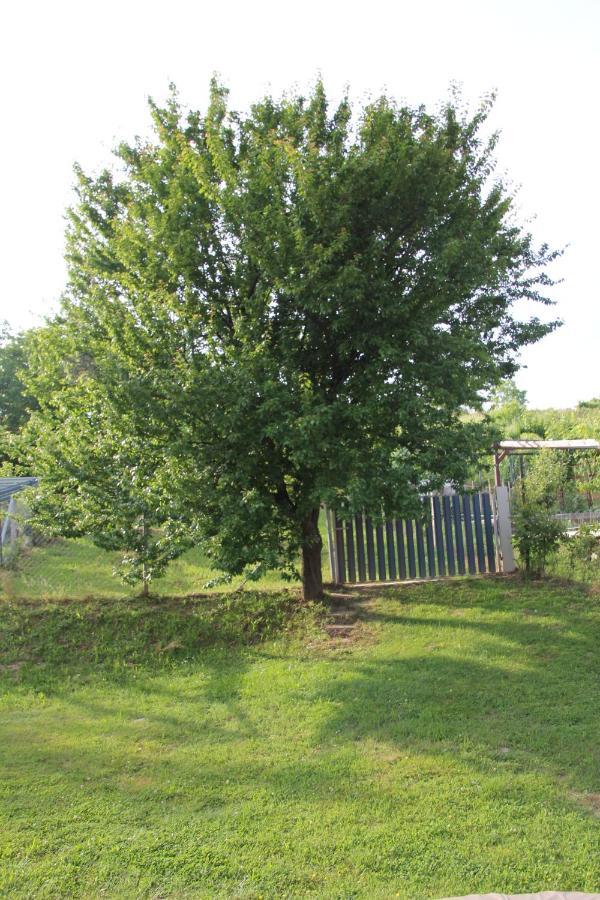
<point>511,690</point>
<point>114,666</point>
<point>468,713</point>
<point>501,674</point>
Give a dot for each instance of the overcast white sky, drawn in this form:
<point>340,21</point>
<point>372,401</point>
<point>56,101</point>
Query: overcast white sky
<point>75,77</point>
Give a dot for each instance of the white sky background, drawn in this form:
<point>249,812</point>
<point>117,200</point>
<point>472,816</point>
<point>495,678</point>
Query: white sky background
<point>75,77</point>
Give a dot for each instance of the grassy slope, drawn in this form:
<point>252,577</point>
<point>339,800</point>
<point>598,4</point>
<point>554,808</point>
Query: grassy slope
<point>452,748</point>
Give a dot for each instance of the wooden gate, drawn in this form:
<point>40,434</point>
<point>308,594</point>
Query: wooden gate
<point>455,536</point>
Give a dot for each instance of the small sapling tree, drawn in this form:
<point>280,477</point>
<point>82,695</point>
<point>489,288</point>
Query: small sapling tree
<point>97,476</point>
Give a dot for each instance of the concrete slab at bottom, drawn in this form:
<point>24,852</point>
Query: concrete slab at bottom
<point>546,895</point>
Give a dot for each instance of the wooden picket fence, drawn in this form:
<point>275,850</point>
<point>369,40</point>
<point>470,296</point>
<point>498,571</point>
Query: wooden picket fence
<point>455,536</point>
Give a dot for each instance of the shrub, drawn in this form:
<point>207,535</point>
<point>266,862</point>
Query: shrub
<point>583,552</point>
<point>537,535</point>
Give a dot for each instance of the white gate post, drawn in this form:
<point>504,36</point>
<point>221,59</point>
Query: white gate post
<point>504,529</point>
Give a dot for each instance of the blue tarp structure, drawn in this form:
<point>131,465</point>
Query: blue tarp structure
<point>10,486</point>
<point>9,525</point>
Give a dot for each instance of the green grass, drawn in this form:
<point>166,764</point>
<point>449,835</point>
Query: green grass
<point>77,569</point>
<point>227,747</point>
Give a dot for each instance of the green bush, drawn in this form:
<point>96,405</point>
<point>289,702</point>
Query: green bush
<point>537,535</point>
<point>582,551</point>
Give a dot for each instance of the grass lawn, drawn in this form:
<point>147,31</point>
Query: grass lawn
<point>446,743</point>
<point>77,569</point>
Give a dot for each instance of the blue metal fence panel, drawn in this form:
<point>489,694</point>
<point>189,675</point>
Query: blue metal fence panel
<point>455,535</point>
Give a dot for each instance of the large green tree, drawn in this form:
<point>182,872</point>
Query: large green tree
<point>296,304</point>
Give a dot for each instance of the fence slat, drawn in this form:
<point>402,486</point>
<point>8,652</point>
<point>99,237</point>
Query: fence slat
<point>430,547</point>
<point>478,532</point>
<point>380,551</point>
<point>400,549</point>
<point>350,551</point>
<point>410,547</point>
<point>360,549</point>
<point>339,546</point>
<point>420,548</point>
<point>370,550</point>
<point>458,531</point>
<point>448,533</point>
<point>329,520</point>
<point>389,539</point>
<point>439,540</point>
<point>468,515</point>
<point>489,532</point>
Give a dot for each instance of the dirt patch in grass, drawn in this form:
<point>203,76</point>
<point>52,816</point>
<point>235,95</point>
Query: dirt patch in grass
<point>12,667</point>
<point>344,622</point>
<point>590,801</point>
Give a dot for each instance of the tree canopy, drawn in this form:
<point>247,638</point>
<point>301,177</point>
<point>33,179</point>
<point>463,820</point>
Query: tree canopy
<point>294,305</point>
<point>15,401</point>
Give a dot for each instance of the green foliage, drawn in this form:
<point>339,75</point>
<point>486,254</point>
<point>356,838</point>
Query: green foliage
<point>513,419</point>
<point>454,749</point>
<point>537,536</point>
<point>68,568</point>
<point>582,551</point>
<point>508,405</point>
<point>510,418</point>
<point>97,477</point>
<point>294,305</point>
<point>16,402</point>
<point>114,631</point>
<point>594,403</point>
<point>537,533</point>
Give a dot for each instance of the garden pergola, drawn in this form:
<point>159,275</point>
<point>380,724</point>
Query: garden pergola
<point>502,449</point>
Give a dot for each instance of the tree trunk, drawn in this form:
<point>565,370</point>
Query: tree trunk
<point>312,543</point>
